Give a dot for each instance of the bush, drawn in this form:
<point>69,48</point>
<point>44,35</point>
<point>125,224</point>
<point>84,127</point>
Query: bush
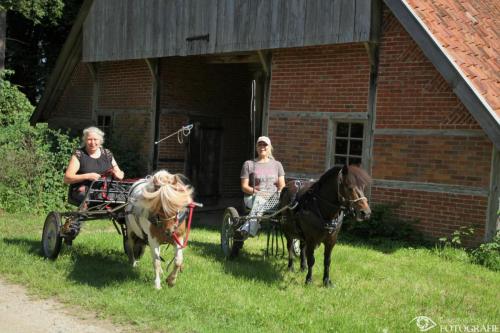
<point>488,254</point>
<point>383,223</point>
<point>33,157</point>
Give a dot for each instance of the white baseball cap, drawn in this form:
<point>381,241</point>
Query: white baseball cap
<point>264,139</point>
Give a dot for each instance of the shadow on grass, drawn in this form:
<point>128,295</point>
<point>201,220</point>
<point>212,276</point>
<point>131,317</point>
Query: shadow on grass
<point>381,244</point>
<point>89,267</point>
<point>246,266</point>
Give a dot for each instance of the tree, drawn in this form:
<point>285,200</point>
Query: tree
<point>35,10</point>
<point>36,31</point>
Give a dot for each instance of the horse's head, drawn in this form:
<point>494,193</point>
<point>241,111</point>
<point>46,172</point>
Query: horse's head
<point>352,182</point>
<point>165,195</point>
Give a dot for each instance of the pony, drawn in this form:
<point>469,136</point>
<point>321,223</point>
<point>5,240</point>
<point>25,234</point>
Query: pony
<point>319,211</point>
<point>155,215</point>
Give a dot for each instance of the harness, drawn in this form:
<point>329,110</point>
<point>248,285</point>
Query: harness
<point>155,220</point>
<point>311,199</point>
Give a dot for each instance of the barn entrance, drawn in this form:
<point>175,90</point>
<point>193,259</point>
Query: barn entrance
<point>222,96</point>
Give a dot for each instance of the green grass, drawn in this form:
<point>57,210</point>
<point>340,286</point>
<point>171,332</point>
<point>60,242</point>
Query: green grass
<point>377,288</point>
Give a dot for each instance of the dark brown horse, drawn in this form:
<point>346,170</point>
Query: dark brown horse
<point>317,218</point>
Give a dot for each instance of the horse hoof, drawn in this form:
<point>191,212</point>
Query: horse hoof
<point>328,284</point>
<point>158,287</point>
<point>290,269</point>
<point>309,281</point>
<point>303,269</point>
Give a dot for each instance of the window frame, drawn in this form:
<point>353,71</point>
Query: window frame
<point>347,155</point>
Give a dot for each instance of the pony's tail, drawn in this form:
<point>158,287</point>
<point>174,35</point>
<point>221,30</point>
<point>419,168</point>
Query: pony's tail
<point>168,193</point>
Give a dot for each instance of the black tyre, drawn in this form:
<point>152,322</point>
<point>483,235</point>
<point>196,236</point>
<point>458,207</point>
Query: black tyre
<point>228,231</point>
<point>51,236</point>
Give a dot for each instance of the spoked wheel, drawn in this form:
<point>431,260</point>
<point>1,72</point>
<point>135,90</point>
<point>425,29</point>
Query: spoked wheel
<point>296,246</point>
<point>230,246</point>
<point>51,237</point>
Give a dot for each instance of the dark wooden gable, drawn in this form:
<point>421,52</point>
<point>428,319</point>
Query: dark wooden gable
<point>131,29</point>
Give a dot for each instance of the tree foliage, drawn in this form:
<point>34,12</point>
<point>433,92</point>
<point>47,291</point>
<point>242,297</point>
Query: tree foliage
<point>35,10</point>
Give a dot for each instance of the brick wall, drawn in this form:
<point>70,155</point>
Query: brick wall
<point>74,108</point>
<point>412,95</point>
<point>332,78</point>
<point>124,85</point>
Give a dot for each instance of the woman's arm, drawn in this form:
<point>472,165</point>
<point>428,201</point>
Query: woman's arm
<point>281,183</point>
<point>70,176</point>
<point>117,172</point>
<point>246,188</point>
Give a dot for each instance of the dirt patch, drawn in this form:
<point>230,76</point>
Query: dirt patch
<point>21,313</point>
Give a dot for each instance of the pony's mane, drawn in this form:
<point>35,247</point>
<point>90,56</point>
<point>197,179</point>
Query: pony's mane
<point>355,176</point>
<point>166,192</point>
<point>358,177</point>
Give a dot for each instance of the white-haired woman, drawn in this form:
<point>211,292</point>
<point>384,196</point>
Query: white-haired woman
<point>89,163</point>
<point>263,174</point>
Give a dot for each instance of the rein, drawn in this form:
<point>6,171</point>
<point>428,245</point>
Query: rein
<point>176,237</point>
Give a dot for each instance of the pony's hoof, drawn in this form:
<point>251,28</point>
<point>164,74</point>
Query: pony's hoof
<point>290,269</point>
<point>171,281</point>
<point>309,281</point>
<point>158,287</point>
<point>303,268</point>
<point>328,284</point>
<point>134,264</point>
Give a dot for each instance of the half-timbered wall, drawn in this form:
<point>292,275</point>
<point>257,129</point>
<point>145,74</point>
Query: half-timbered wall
<point>132,29</point>
<point>429,155</point>
<point>310,87</point>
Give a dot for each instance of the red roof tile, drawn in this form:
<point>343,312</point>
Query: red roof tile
<point>469,31</point>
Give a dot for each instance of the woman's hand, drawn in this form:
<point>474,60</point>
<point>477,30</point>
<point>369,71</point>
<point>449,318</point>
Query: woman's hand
<point>93,176</point>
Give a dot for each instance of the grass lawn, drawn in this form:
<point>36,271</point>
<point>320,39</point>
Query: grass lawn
<point>377,289</point>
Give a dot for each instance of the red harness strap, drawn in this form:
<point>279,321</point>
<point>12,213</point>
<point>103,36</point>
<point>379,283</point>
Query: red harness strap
<point>176,237</point>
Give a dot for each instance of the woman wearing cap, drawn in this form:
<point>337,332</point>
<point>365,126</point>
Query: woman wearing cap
<point>263,174</point>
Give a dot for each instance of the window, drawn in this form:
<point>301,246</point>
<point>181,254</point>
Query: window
<point>104,123</point>
<point>348,143</point>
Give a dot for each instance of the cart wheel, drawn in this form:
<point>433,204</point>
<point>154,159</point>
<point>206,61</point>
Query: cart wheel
<point>230,247</point>
<point>51,237</point>
<point>296,247</point>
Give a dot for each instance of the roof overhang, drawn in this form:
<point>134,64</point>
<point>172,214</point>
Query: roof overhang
<point>68,59</point>
<point>462,87</point>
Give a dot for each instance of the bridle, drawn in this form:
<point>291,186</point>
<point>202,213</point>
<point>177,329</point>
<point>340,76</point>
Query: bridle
<point>341,197</point>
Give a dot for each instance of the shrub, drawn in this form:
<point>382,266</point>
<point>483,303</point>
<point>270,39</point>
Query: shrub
<point>33,157</point>
<point>488,254</point>
<point>385,224</point>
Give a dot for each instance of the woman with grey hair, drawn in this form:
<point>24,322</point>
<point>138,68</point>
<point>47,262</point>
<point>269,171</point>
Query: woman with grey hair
<point>88,163</point>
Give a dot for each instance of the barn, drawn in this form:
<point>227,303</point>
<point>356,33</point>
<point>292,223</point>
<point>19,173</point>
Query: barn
<point>409,89</point>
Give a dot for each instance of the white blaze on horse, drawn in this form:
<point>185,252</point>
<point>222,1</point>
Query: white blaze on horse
<point>156,215</point>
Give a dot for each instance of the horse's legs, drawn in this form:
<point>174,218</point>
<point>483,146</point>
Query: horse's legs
<point>130,244</point>
<point>155,254</point>
<point>303,261</point>
<point>328,258</point>
<point>291,253</point>
<point>177,265</point>
<point>310,261</point>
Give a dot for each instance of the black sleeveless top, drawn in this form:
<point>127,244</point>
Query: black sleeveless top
<point>89,164</point>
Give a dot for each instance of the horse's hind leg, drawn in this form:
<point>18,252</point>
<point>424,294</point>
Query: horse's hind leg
<point>309,249</point>
<point>178,259</point>
<point>303,260</point>
<point>291,253</point>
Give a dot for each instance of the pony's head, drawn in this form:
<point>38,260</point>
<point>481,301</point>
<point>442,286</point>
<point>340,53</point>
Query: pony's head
<point>166,194</point>
<point>352,182</point>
